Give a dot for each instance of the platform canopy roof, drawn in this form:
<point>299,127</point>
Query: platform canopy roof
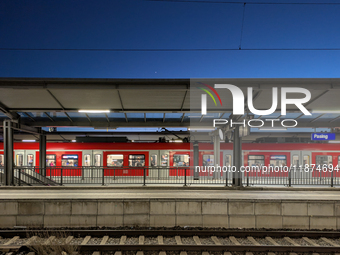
<point>55,102</point>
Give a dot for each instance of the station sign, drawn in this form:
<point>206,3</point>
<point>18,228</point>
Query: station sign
<point>322,136</point>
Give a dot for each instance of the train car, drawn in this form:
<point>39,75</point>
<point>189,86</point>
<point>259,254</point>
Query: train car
<point>132,157</point>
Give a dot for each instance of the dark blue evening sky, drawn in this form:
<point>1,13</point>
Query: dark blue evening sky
<point>138,24</point>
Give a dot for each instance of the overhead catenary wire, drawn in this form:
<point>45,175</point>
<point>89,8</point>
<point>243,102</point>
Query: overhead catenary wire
<point>171,49</point>
<point>242,2</point>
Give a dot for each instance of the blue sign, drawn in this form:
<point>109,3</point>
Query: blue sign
<point>323,136</point>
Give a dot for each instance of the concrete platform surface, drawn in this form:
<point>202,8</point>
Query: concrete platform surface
<point>187,194</point>
<point>99,207</point>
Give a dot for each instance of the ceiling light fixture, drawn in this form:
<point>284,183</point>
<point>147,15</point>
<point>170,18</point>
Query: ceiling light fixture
<point>94,111</point>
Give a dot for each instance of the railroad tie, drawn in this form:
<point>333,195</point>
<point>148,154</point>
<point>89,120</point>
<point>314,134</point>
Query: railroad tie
<point>183,253</point>
<point>31,253</point>
<point>329,241</point>
<point>215,240</point>
<point>12,240</point>
<point>104,240</point>
<point>252,239</point>
<point>31,240</point>
<point>310,241</point>
<point>292,253</point>
<point>118,253</point>
<point>160,241</point>
<point>249,253</point>
<point>96,253</point>
<point>227,253</point>
<point>141,240</point>
<point>178,240</point>
<point>86,240</point>
<point>162,253</point>
<point>288,239</point>
<point>205,253</point>
<point>140,253</point>
<point>197,240</point>
<point>122,241</point>
<point>234,240</point>
<point>68,239</point>
<point>319,254</point>
<point>49,240</point>
<point>271,253</point>
<point>268,238</point>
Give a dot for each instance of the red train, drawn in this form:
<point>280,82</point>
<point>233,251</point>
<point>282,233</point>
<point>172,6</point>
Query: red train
<point>177,155</point>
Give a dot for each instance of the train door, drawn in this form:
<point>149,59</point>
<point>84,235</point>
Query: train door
<point>87,165</point>
<point>154,164</point>
<point>228,162</point>
<point>164,163</point>
<point>29,159</point>
<point>97,163</point>
<point>19,157</point>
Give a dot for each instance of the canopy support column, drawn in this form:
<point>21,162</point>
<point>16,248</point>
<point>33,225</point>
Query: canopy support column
<point>237,157</point>
<point>42,154</point>
<point>8,153</point>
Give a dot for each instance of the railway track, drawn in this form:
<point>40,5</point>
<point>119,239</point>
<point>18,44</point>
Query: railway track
<point>165,242</point>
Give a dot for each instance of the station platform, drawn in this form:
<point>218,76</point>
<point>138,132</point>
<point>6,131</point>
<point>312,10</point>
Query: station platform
<point>274,208</point>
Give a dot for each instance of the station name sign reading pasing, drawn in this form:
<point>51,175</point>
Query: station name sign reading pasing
<point>322,136</point>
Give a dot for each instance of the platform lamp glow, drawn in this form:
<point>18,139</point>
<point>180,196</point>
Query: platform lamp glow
<point>94,111</point>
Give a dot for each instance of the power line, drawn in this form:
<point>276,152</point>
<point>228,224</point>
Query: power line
<point>243,2</point>
<point>172,49</point>
<point>244,9</point>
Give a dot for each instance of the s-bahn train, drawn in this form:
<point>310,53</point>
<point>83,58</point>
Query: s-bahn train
<point>171,155</point>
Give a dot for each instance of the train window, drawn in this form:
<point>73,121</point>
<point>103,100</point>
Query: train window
<point>97,159</point>
<point>306,160</point>
<point>278,160</point>
<point>208,160</point>
<point>19,160</point>
<point>323,159</point>
<point>228,160</point>
<point>115,160</point>
<point>30,160</point>
<point>69,160</point>
<point>137,160</point>
<point>153,160</point>
<point>295,160</point>
<point>164,160</point>
<point>1,160</point>
<point>50,160</point>
<point>181,160</point>
<point>87,160</point>
<point>256,160</point>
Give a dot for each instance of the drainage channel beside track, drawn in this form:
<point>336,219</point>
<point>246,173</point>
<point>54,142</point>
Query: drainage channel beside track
<point>168,242</point>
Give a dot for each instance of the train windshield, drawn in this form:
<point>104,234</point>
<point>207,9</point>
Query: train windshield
<point>136,160</point>
<point>181,160</point>
<point>115,160</point>
<point>69,160</point>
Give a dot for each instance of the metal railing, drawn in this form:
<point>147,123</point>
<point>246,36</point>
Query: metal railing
<point>167,175</point>
<point>292,177</point>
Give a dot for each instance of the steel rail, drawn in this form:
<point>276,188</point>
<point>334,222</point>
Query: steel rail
<point>156,232</point>
<point>210,247</point>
